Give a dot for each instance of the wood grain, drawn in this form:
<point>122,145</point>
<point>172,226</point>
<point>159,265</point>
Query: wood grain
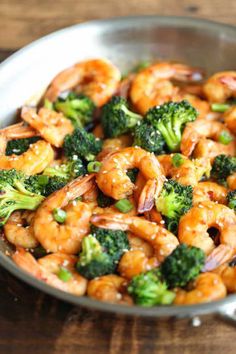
<point>26,20</point>
<point>32,322</point>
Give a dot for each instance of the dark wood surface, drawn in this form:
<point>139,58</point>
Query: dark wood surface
<point>32,322</point>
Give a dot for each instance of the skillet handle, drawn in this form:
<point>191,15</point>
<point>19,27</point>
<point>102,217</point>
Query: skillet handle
<point>228,313</point>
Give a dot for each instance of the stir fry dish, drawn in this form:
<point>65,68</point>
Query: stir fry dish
<point>123,188</point>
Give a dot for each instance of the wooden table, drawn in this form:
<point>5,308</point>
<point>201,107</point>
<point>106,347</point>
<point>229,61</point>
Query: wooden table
<point>31,322</point>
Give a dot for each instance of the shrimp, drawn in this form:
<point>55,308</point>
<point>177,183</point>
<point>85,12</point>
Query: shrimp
<point>211,149</point>
<point>138,244</point>
<point>205,191</point>
<point>152,85</point>
<point>114,182</point>
<point>52,126</point>
<point>47,269</point>
<point>109,288</point>
<point>18,229</point>
<point>230,119</point>
<point>197,130</point>
<point>194,225</point>
<point>97,78</point>
<point>112,145</point>
<point>220,86</point>
<point>227,273</point>
<point>185,174</point>
<point>135,262</point>
<point>162,241</point>
<point>206,288</point>
<point>64,237</point>
<point>33,161</point>
<point>15,131</point>
<point>231,181</point>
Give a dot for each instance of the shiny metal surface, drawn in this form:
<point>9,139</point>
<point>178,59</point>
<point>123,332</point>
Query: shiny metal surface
<point>125,41</point>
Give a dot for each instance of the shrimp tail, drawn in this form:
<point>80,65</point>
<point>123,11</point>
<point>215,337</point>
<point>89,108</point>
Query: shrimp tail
<point>111,221</point>
<point>27,262</point>
<point>146,199</point>
<point>220,255</point>
<point>229,81</point>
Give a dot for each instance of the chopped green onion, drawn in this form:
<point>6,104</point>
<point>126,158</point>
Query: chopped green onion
<point>64,274</point>
<point>43,180</point>
<point>124,205</point>
<point>59,215</point>
<point>225,137</point>
<point>94,166</point>
<point>177,160</point>
<point>48,104</point>
<point>220,107</point>
<point>141,65</point>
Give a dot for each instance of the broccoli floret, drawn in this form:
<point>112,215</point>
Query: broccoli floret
<point>132,174</point>
<point>149,138</point>
<point>104,201</point>
<point>78,108</point>
<point>182,265</point>
<point>93,261</point>
<point>147,289</point>
<point>174,200</point>
<point>223,166</point>
<point>69,170</point>
<point>170,119</point>
<point>113,242</point>
<point>54,183</point>
<point>14,194</point>
<point>82,144</point>
<point>117,119</point>
<point>19,146</point>
<point>231,198</point>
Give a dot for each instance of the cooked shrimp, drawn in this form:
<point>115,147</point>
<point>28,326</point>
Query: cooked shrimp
<point>109,288</point>
<point>220,86</point>
<point>52,126</point>
<point>205,191</point>
<point>227,273</point>
<point>112,145</point>
<point>194,225</point>
<point>15,131</point>
<point>197,130</point>
<point>202,106</point>
<point>163,241</point>
<point>138,244</point>
<point>33,161</point>
<point>18,229</point>
<point>152,86</point>
<point>211,149</point>
<point>114,182</point>
<point>207,287</point>
<point>231,181</point>
<point>48,268</point>
<point>230,119</point>
<point>97,78</point>
<point>185,174</point>
<point>65,237</point>
<point>135,262</point>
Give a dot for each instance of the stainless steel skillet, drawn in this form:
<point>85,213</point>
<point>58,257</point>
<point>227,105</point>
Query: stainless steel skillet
<point>125,41</point>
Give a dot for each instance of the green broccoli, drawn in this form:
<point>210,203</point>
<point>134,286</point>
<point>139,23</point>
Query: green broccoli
<point>93,261</point>
<point>19,146</point>
<point>117,119</point>
<point>231,198</point>
<point>223,166</point>
<point>45,185</point>
<point>103,200</point>
<point>170,119</point>
<point>78,108</point>
<point>132,174</point>
<point>69,170</point>
<point>182,265</point>
<point>82,144</point>
<point>147,289</point>
<point>174,200</point>
<point>14,194</point>
<point>54,183</point>
<point>113,242</point>
<point>149,138</point>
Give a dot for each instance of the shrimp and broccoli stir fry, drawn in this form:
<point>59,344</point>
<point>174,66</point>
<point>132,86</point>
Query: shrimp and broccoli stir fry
<point>125,196</point>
